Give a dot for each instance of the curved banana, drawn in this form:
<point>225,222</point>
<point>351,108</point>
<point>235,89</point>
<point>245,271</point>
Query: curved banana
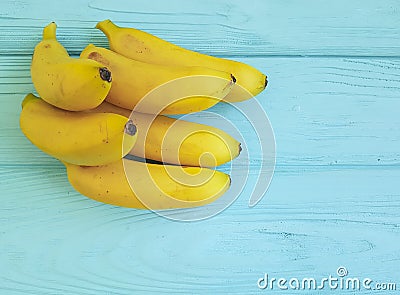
<point>76,137</point>
<point>151,88</point>
<point>145,47</point>
<point>179,142</point>
<point>133,184</point>
<point>69,83</point>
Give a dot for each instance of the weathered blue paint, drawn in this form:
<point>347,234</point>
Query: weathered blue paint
<point>333,101</point>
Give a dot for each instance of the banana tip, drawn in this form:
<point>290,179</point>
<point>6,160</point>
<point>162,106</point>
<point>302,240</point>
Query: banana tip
<point>105,74</point>
<point>266,82</point>
<point>29,97</point>
<point>49,31</point>
<point>130,128</point>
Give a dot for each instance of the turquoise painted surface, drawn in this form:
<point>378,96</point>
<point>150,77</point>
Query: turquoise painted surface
<point>333,101</point>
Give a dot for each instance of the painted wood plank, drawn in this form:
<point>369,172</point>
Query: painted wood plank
<point>323,111</point>
<point>313,220</point>
<point>334,199</point>
<point>223,28</point>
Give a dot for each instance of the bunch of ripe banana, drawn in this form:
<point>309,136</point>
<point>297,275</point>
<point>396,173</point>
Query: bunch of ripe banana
<point>84,117</point>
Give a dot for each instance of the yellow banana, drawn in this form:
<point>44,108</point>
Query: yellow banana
<point>145,47</point>
<point>179,142</point>
<point>76,137</point>
<point>69,83</point>
<point>193,88</point>
<point>148,186</point>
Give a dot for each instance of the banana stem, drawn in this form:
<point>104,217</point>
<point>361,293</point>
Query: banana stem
<point>49,32</point>
<point>29,97</point>
<point>106,26</point>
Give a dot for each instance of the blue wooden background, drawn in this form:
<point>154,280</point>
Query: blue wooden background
<point>333,101</point>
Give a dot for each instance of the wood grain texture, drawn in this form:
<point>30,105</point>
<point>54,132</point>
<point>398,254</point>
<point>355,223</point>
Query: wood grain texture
<point>324,111</point>
<point>332,100</point>
<point>55,241</point>
<point>224,28</point>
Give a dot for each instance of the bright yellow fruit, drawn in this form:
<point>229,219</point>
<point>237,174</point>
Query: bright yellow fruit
<point>183,89</point>
<point>145,47</point>
<point>68,83</point>
<point>76,137</point>
<point>177,142</point>
<point>148,186</point>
